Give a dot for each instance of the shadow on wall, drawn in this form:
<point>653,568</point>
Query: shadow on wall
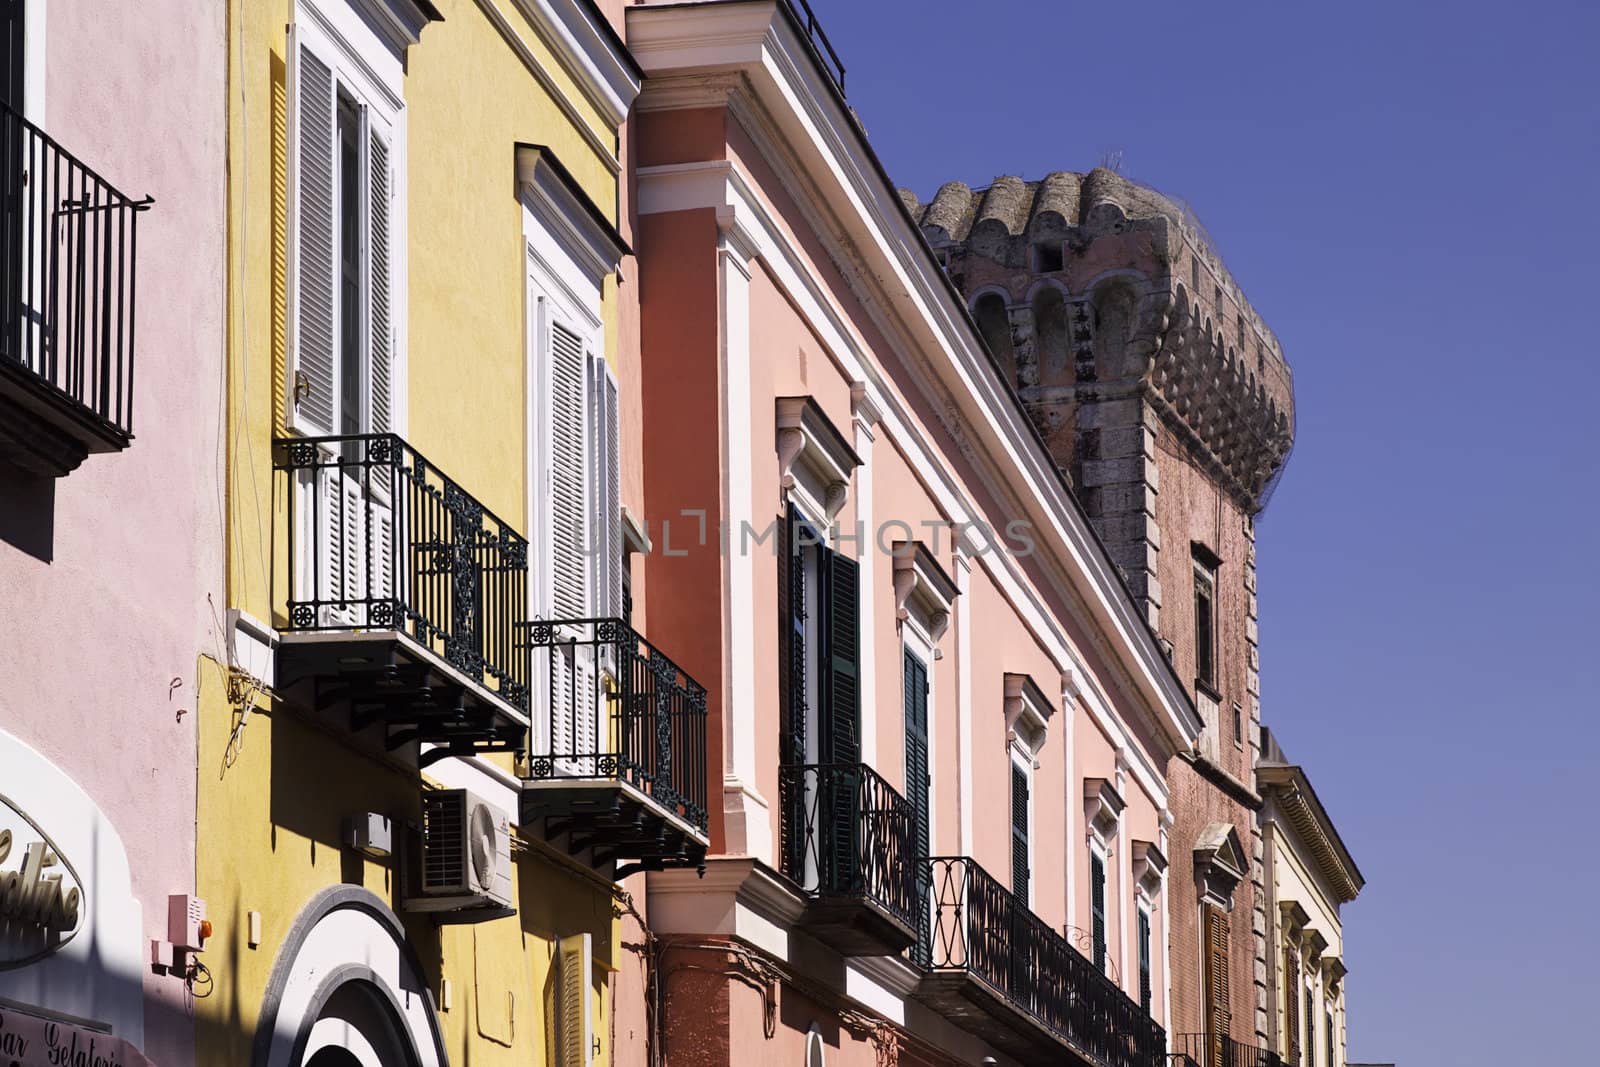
<point>28,521</point>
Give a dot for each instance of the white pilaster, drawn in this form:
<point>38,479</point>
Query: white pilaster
<point>963,624</point>
<point>747,825</point>
<point>865,418</point>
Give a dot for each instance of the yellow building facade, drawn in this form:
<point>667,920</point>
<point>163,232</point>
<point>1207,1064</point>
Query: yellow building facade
<point>422,366</point>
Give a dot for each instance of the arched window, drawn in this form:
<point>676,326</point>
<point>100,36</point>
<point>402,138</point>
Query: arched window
<point>1050,330</point>
<point>995,324</point>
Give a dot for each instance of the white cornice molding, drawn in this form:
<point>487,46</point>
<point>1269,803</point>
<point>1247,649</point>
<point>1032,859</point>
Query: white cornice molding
<point>398,22</point>
<point>587,53</point>
<point>923,592</point>
<point>566,213</point>
<point>1028,712</point>
<point>750,39</point>
<point>810,445</point>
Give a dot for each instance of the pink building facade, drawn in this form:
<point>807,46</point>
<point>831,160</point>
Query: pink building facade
<point>111,529</point>
<point>942,724</point>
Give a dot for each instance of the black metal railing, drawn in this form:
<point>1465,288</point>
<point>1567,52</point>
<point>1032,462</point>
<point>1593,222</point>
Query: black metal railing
<point>980,927</point>
<point>1219,1050</point>
<point>608,705</point>
<point>380,538</point>
<point>68,240</point>
<point>821,47</point>
<point>847,832</point>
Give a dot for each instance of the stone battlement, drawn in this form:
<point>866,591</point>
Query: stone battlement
<point>1090,287</point>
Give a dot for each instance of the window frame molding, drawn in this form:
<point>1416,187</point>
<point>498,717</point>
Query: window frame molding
<point>369,68</point>
<point>815,462</point>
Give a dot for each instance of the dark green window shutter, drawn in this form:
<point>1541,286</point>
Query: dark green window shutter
<point>791,640</point>
<point>1311,1030</point>
<point>1019,834</point>
<point>1144,961</point>
<point>1097,907</point>
<point>918,789</point>
<point>841,643</point>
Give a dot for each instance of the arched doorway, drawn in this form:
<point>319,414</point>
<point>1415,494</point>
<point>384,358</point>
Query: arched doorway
<point>357,1028</point>
<point>347,990</point>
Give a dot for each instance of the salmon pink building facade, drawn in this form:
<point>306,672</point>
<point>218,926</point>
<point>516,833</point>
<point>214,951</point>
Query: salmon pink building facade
<point>942,724</point>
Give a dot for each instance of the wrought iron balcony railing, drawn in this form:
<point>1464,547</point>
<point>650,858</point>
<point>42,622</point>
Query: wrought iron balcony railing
<point>1219,1050</point>
<point>607,705</point>
<point>382,539</point>
<point>846,834</point>
<point>979,927</point>
<point>67,248</point>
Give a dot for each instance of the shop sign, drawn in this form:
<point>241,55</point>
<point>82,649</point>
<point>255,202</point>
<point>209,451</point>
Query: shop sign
<point>31,1041</point>
<point>41,895</point>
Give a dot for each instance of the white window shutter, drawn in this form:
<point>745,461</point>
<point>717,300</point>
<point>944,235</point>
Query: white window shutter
<point>310,402</point>
<point>575,1030</point>
<point>380,192</point>
<point>569,481</point>
<point>607,540</point>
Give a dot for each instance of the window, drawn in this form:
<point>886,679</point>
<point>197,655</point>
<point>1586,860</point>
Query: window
<point>13,54</point>
<point>1205,618</point>
<point>1218,981</point>
<point>1291,1002</point>
<point>1097,907</point>
<point>1020,869</point>
<point>1311,1030</point>
<point>1238,724</point>
<point>344,261</point>
<point>1144,960</point>
<point>1327,1037</point>
<point>1046,257</point>
<point>575,1036</point>
<point>919,783</point>
<point>994,322</point>
<point>819,630</point>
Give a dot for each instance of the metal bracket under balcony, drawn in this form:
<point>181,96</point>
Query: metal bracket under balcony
<point>846,841</point>
<point>617,765</point>
<point>407,591</point>
<point>996,969</point>
<point>67,245</point>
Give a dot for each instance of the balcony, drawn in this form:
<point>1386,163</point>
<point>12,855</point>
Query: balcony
<point>999,971</point>
<point>405,596</point>
<point>67,243</point>
<point>846,841</point>
<point>617,763</point>
<point>1219,1050</point>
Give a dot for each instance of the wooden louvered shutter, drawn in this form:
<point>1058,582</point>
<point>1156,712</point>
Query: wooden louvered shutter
<point>380,296</point>
<point>841,635</point>
<point>311,380</point>
<point>1219,1016</point>
<point>1311,1030</point>
<point>607,542</point>
<point>1145,989</point>
<point>919,789</point>
<point>568,479</point>
<point>1291,1001</point>
<point>1019,833</point>
<point>575,1023</point>
<point>791,641</point>
<point>1097,908</point>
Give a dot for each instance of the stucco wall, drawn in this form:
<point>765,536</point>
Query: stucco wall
<point>106,573</point>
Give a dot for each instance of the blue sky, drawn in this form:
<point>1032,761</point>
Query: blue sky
<point>1408,195</point>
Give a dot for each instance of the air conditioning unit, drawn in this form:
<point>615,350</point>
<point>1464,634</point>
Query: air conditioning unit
<point>466,858</point>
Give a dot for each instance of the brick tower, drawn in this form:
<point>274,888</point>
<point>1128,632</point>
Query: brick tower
<point>1167,401</point>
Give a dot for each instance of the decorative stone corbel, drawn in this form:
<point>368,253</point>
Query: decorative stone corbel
<point>922,589</point>
<point>1028,713</point>
<point>1149,868</point>
<point>1102,808</point>
<point>813,456</point>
